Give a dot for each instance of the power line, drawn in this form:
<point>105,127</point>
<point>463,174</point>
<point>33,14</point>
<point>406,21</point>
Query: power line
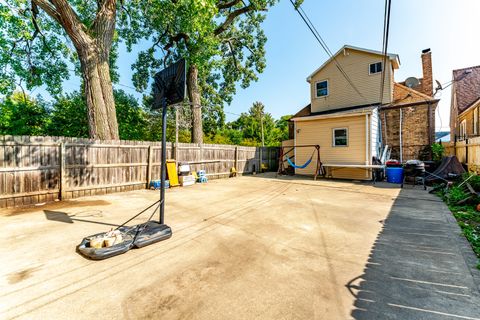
<point>325,47</point>
<point>386,28</point>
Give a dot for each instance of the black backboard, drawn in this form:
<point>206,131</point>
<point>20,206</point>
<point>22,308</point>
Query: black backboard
<point>170,84</point>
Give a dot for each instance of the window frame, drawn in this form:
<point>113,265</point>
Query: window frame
<point>370,64</point>
<point>333,137</point>
<point>316,90</point>
<point>475,121</point>
<point>463,129</point>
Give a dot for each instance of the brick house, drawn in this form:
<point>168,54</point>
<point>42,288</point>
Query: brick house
<point>465,103</point>
<point>413,110</point>
<point>348,109</point>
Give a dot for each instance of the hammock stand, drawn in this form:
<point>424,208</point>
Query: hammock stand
<point>285,156</point>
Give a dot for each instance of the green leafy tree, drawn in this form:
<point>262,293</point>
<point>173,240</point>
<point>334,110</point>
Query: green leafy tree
<point>69,117</point>
<point>222,41</point>
<point>22,115</point>
<point>39,38</point>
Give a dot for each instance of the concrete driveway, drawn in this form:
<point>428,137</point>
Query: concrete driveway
<point>243,248</point>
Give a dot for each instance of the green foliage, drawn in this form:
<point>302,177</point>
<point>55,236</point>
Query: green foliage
<point>35,50</point>
<point>68,116</point>
<point>223,39</point>
<point>22,115</point>
<point>456,194</point>
<point>438,151</point>
<point>469,221</point>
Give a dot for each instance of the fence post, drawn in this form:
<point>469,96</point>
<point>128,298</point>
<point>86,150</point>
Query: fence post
<point>236,159</point>
<point>175,151</point>
<point>466,152</point>
<point>149,166</point>
<point>260,160</point>
<point>62,171</point>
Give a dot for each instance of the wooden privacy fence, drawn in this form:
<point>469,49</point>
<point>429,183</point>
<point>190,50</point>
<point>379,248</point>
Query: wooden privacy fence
<point>42,169</point>
<point>467,152</point>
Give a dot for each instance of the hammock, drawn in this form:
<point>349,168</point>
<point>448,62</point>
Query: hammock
<point>303,166</point>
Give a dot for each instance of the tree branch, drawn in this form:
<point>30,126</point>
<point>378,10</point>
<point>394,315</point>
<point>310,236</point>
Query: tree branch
<point>175,39</point>
<point>233,54</point>
<point>104,23</point>
<point>231,18</point>
<point>68,19</point>
<point>48,8</point>
<point>227,5</point>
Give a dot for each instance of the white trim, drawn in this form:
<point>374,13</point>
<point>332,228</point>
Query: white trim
<point>316,91</point>
<point>333,115</point>
<point>393,57</point>
<point>333,137</point>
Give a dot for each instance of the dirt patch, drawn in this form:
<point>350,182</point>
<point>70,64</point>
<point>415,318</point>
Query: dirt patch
<point>55,206</point>
<point>181,296</point>
<point>20,275</point>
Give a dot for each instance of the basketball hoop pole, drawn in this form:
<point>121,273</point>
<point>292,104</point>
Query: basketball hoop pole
<point>163,160</point>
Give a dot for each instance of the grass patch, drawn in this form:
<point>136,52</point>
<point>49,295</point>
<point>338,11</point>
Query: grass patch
<point>467,216</point>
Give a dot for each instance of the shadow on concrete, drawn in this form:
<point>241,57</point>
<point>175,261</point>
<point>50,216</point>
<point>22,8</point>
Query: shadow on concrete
<point>418,268</point>
<point>64,217</point>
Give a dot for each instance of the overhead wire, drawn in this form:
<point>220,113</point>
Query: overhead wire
<point>386,28</point>
<point>325,47</point>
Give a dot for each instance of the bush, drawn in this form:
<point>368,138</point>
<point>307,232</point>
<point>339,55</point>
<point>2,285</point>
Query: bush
<point>438,151</point>
<point>456,194</point>
<point>473,180</point>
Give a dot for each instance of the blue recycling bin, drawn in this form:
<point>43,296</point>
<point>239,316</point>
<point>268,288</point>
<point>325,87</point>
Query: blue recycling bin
<point>394,175</point>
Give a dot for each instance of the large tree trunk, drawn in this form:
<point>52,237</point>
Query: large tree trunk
<point>93,47</point>
<point>195,100</point>
<point>102,118</point>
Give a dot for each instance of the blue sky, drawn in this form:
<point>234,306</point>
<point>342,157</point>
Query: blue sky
<point>450,28</point>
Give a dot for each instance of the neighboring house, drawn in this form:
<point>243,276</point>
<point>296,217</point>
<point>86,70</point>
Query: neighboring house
<point>348,121</point>
<point>465,104</point>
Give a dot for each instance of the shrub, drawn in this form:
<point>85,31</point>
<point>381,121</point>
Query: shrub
<point>473,180</point>
<point>456,194</point>
<point>438,151</point>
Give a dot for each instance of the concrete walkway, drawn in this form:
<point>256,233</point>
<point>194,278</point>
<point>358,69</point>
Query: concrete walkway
<point>420,266</point>
<point>252,247</point>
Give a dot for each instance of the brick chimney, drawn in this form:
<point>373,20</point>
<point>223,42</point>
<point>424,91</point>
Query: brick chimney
<point>427,82</point>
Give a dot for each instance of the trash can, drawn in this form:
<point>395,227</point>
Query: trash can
<point>394,175</point>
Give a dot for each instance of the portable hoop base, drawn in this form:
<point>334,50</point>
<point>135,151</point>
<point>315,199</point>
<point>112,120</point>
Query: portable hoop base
<point>152,232</point>
<point>108,252</point>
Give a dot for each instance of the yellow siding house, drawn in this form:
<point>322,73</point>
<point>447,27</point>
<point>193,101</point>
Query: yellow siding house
<point>343,116</point>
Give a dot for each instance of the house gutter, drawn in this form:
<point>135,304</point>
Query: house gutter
<point>331,116</point>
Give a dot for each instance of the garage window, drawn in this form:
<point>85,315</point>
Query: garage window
<point>340,137</point>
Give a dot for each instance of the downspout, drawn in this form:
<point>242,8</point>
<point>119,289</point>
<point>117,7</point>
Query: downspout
<point>366,139</point>
<point>400,136</point>
<point>294,144</point>
<point>430,130</point>
<point>385,122</point>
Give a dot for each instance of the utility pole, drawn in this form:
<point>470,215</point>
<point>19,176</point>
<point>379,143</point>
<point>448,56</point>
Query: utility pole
<point>261,123</point>
<point>176,126</point>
